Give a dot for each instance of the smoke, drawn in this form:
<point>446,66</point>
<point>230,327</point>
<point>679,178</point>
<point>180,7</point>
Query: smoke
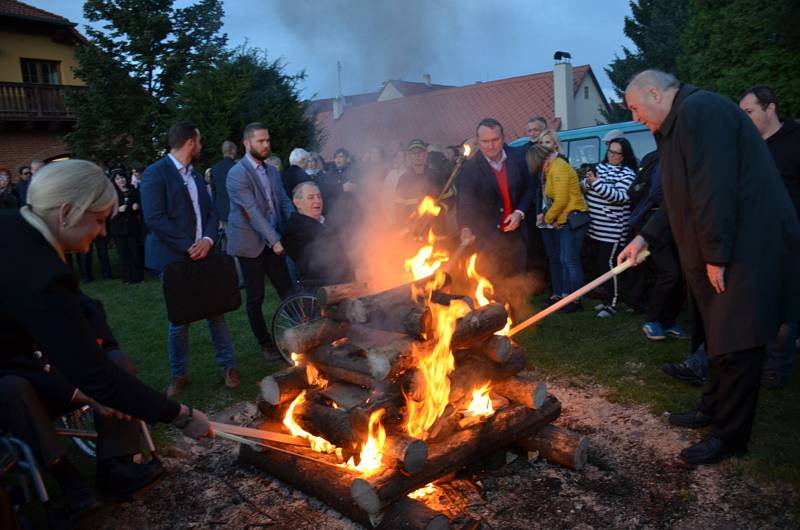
<point>374,40</point>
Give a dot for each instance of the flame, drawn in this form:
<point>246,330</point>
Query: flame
<point>372,450</point>
<point>428,206</point>
<point>481,404</point>
<point>296,358</point>
<point>484,291</point>
<point>314,378</point>
<point>428,489</point>
<point>435,367</point>
<point>426,261</point>
<point>320,445</point>
<point>467,150</point>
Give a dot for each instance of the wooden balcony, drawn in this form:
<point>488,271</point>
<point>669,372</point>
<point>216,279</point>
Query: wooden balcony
<point>33,102</point>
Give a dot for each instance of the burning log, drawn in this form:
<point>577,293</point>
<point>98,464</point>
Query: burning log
<point>522,390</point>
<point>348,362</point>
<point>558,445</point>
<point>306,336</point>
<point>497,349</point>
<point>327,422</point>
<point>283,386</point>
<point>474,372</point>
<point>477,326</point>
<point>333,294</point>
<point>374,492</point>
<point>409,514</point>
<point>438,297</point>
<point>345,395</point>
<point>406,453</point>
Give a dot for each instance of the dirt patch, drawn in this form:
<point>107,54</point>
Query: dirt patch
<point>630,481</point>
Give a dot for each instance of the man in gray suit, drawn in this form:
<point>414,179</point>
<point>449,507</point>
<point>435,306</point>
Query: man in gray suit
<point>259,209</point>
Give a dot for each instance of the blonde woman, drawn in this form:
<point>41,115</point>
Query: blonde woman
<point>50,360</point>
<point>549,138</point>
<point>566,214</point>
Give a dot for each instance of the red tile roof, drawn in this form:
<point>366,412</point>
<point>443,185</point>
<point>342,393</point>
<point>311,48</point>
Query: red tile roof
<point>12,8</point>
<point>410,88</point>
<point>446,116</point>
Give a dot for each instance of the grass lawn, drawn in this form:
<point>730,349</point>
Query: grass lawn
<point>578,347</point>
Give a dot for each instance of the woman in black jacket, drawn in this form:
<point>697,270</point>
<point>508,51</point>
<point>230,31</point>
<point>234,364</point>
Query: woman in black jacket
<point>50,358</point>
<point>127,227</point>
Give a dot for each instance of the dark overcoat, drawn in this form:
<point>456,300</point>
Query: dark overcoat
<point>726,204</point>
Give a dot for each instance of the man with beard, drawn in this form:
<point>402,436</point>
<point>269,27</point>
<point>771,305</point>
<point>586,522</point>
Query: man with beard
<point>738,238</point>
<point>259,210</point>
<point>183,225</point>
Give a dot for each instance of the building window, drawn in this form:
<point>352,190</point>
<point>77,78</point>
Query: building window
<point>41,72</point>
<point>586,92</point>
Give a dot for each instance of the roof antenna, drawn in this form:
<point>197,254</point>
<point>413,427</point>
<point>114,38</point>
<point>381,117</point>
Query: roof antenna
<point>339,73</point>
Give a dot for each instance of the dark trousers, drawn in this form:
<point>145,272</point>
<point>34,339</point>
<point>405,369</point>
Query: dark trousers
<point>26,416</point>
<point>129,258</point>
<point>731,395</point>
<point>101,244</point>
<point>254,269</point>
<point>668,292</point>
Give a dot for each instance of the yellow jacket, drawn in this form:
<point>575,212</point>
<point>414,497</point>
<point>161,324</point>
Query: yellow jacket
<point>563,188</point>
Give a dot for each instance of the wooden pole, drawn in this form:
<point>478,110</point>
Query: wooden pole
<point>622,267</point>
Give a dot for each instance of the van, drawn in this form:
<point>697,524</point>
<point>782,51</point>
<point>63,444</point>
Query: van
<point>586,146</point>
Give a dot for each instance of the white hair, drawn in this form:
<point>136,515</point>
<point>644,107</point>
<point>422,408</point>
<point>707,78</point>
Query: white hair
<point>653,77</point>
<point>298,191</point>
<point>298,154</point>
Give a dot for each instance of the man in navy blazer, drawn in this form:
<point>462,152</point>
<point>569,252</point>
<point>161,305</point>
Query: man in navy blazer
<point>259,210</point>
<point>183,225</point>
<point>495,195</point>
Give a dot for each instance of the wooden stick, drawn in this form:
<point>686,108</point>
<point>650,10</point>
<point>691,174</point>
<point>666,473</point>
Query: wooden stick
<point>253,443</point>
<point>257,433</point>
<point>622,267</point>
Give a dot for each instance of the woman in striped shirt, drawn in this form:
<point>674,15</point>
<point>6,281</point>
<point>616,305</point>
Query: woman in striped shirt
<point>606,191</point>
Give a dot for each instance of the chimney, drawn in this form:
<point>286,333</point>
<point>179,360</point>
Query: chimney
<point>338,107</point>
<point>563,94</point>
<point>426,78</point>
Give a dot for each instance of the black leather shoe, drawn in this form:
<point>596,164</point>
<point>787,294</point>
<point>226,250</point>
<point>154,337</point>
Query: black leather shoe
<point>682,372</point>
<point>693,419</point>
<point>121,479</point>
<point>708,451</point>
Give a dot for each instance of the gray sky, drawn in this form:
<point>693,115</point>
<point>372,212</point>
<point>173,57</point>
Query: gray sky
<point>456,42</point>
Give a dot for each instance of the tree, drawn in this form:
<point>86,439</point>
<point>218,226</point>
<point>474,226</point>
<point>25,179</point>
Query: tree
<point>239,88</point>
<point>731,45</point>
<point>131,68</point>
<point>655,28</point>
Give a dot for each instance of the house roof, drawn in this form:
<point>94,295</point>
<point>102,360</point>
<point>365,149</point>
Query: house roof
<point>411,88</point>
<point>447,116</point>
<point>22,11</point>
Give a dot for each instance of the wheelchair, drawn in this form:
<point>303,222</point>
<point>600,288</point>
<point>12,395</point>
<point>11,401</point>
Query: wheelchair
<point>78,426</point>
<point>296,309</point>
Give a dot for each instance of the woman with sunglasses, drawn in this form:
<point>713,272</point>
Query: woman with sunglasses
<point>606,191</point>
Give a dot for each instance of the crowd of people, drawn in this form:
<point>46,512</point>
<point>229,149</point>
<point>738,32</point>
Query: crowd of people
<point>717,207</point>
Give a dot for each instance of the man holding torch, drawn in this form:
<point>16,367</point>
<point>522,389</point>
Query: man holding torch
<point>737,235</point>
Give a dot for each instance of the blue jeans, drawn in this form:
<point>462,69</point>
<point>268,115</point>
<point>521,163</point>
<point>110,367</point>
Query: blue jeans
<point>698,362</point>
<point>551,240</point>
<point>178,341</point>
<point>571,242</point>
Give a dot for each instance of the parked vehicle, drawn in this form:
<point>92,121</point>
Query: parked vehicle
<point>586,146</point>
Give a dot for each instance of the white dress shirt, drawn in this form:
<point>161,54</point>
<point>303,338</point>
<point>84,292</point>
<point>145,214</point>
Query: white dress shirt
<point>188,181</point>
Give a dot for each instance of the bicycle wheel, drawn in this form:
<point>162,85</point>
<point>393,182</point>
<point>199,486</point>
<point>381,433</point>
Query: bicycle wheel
<point>81,419</point>
<point>293,311</point>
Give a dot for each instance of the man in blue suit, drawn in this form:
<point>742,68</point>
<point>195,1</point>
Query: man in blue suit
<point>495,195</point>
<point>259,210</point>
<point>183,225</point>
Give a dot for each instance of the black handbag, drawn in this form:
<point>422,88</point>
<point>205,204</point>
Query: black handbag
<point>196,290</point>
<point>577,219</point>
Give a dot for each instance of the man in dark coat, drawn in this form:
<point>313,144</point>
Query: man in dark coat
<point>737,235</point>
<point>312,243</point>
<point>296,172</point>
<point>495,195</point>
<point>219,174</point>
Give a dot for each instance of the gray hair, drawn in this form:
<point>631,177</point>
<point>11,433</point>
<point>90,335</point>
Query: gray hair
<point>229,149</point>
<point>652,77</point>
<point>298,154</point>
<point>297,192</point>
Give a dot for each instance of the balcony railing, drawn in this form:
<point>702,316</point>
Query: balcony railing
<point>28,101</point>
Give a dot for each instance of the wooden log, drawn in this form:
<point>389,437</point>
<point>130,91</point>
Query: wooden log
<point>327,422</point>
<point>349,362</point>
<point>497,349</point>
<point>409,454</point>
<point>473,372</point>
<point>438,297</point>
<point>558,445</point>
<point>346,396</point>
<point>477,326</point>
<point>410,514</point>
<point>522,390</point>
<point>283,386</point>
<point>304,337</point>
<point>375,492</point>
<point>333,294</point>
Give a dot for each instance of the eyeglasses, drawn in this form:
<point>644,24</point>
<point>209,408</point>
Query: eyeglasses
<point>610,152</point>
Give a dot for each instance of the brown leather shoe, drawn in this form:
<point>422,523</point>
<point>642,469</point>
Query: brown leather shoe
<point>232,377</point>
<point>176,386</point>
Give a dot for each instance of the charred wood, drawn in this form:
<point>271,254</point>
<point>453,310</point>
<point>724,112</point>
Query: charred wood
<point>304,337</point>
<point>558,445</point>
<point>522,390</point>
<point>333,294</point>
<point>410,514</point>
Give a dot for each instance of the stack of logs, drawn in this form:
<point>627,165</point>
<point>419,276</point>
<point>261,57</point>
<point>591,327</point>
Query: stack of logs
<point>367,347</point>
